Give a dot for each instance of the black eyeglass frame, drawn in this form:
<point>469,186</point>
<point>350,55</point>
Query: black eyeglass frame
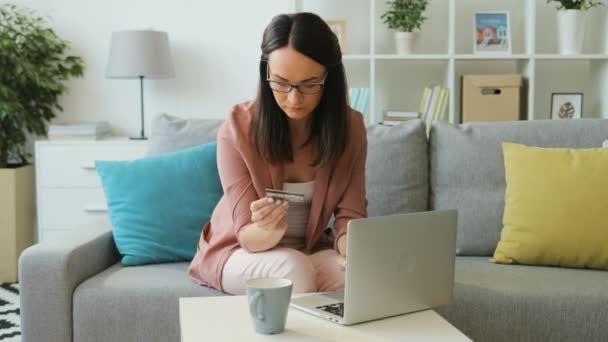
<point>294,85</point>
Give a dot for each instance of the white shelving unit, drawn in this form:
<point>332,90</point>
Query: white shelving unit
<point>445,53</point>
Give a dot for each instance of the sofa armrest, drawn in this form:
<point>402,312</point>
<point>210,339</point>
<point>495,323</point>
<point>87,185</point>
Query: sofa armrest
<point>48,274</point>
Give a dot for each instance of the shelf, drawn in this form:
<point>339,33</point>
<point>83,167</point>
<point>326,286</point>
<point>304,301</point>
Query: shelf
<point>476,57</point>
<point>571,57</point>
<point>353,57</point>
<point>412,56</point>
<point>444,51</point>
<point>486,57</point>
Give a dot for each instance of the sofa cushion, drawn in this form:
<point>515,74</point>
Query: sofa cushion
<point>467,169</point>
<point>159,204</point>
<point>397,168</point>
<point>138,303</point>
<point>494,302</point>
<point>171,133</point>
<point>556,207</point>
<point>397,159</point>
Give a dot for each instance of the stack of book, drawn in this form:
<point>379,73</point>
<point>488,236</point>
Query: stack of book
<point>395,117</point>
<point>359,98</point>
<point>433,106</point>
<point>79,131</point>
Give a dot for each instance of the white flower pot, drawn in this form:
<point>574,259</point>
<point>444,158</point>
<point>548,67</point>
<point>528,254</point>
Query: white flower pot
<point>571,31</point>
<point>404,41</point>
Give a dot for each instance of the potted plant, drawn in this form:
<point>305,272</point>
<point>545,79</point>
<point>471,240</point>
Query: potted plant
<point>571,24</point>
<point>33,69</point>
<point>405,16</point>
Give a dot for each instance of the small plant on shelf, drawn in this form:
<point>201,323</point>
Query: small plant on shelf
<point>571,23</point>
<point>405,16</point>
<point>581,5</point>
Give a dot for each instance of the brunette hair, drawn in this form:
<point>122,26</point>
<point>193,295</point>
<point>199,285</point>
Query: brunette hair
<point>308,34</point>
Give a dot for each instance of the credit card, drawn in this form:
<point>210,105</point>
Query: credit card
<point>287,195</point>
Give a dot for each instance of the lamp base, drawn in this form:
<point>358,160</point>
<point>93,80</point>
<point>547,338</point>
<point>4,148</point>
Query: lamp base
<point>138,138</point>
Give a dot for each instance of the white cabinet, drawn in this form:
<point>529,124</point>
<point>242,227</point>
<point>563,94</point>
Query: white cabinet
<point>68,189</point>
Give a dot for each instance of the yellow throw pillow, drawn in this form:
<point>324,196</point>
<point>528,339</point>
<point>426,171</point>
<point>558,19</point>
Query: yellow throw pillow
<point>556,207</point>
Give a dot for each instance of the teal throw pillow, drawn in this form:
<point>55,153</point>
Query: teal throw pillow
<point>159,205</point>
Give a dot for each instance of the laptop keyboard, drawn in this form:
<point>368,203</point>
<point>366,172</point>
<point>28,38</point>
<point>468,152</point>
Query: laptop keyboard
<point>336,309</point>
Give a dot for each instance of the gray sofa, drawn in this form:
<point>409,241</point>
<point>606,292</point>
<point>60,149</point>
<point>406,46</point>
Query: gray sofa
<point>78,291</point>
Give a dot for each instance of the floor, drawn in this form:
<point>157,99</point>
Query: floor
<point>10,324</point>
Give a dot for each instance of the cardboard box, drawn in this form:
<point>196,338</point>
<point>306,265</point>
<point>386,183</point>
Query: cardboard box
<point>17,213</point>
<point>492,98</point>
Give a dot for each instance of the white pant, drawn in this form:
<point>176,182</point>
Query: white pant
<point>309,273</point>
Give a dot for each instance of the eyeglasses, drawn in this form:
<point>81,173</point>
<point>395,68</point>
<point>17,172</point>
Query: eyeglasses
<point>285,87</point>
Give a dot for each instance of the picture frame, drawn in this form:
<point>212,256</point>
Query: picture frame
<point>492,33</point>
<point>565,106</point>
<point>338,27</point>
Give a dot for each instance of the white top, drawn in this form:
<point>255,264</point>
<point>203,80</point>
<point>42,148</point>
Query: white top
<point>226,318</point>
<point>297,215</point>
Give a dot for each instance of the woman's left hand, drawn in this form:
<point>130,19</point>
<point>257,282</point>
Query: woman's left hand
<point>342,250</point>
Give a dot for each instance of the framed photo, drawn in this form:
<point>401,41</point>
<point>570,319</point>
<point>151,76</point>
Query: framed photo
<point>492,33</point>
<point>338,27</point>
<point>566,106</point>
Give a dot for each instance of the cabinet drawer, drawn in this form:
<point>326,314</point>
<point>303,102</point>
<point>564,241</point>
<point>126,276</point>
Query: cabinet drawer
<point>74,166</point>
<point>70,208</point>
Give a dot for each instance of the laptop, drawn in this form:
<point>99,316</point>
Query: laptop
<point>396,264</point>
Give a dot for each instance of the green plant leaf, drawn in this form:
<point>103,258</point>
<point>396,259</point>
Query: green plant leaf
<point>405,15</point>
<point>34,66</point>
<point>582,5</point>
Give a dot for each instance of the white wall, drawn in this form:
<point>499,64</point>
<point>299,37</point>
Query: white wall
<point>215,46</point>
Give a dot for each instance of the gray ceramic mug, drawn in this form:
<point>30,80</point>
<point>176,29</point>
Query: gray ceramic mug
<point>268,303</point>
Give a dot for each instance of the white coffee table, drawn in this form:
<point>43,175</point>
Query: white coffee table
<point>226,318</point>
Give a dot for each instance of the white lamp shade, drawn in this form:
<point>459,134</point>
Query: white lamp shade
<point>140,53</point>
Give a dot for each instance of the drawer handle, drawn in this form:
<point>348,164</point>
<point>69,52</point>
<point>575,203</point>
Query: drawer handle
<point>89,166</point>
<point>95,208</point>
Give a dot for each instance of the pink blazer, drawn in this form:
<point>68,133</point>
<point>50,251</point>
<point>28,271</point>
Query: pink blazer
<point>244,176</point>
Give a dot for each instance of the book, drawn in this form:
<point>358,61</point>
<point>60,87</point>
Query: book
<point>358,99</point>
<point>437,109</point>
<point>79,131</point>
<point>79,137</point>
<point>427,103</point>
<point>401,114</point>
<point>422,104</point>
<point>443,113</point>
<point>432,107</point>
<point>363,107</point>
<point>76,129</point>
<point>392,121</point>
<point>440,108</point>
<point>354,97</point>
<point>398,118</point>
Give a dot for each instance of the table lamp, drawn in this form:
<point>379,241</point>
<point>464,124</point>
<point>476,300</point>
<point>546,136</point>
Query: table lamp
<point>140,54</point>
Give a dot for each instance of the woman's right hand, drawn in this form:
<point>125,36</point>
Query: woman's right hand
<point>269,214</point>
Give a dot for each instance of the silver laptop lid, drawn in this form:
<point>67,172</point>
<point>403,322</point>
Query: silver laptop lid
<point>398,264</point>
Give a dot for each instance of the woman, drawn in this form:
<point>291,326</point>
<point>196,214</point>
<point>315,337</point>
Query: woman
<point>298,135</point>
